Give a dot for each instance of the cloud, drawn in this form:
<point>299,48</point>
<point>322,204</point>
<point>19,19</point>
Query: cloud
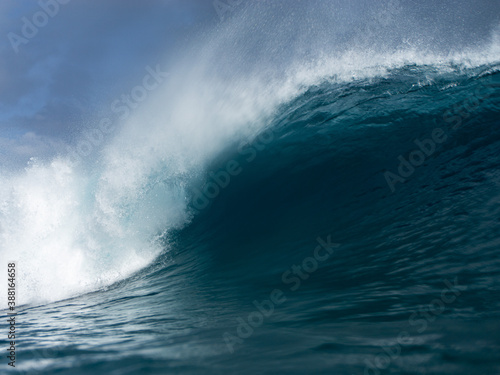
<point>18,151</point>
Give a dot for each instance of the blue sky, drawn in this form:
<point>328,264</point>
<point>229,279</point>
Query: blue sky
<point>83,57</point>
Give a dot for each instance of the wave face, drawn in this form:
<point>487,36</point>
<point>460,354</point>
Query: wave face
<point>200,209</point>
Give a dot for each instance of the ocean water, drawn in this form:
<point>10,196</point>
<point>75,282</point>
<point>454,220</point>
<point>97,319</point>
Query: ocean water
<point>339,216</point>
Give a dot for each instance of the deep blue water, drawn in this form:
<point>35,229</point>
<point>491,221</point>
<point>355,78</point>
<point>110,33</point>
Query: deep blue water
<point>407,283</point>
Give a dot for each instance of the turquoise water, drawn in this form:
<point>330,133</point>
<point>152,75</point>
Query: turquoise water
<point>274,210</point>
